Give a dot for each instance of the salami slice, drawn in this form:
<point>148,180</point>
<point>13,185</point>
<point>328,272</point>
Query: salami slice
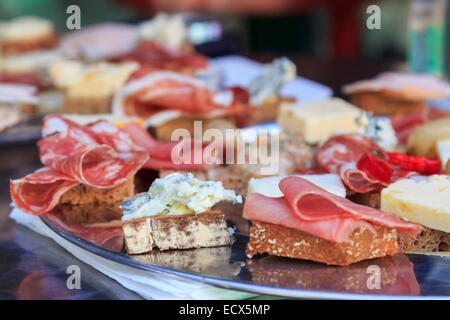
<point>308,208</point>
<point>98,155</point>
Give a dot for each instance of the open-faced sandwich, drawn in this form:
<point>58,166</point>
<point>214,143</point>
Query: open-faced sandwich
<point>87,171</point>
<point>397,93</point>
<point>26,34</point>
<point>177,212</point>
<point>308,222</point>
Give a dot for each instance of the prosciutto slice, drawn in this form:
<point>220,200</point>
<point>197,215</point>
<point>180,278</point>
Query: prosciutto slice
<point>340,154</point>
<point>165,90</point>
<point>309,208</point>
<point>98,155</point>
<point>153,56</point>
<point>161,153</point>
<point>404,125</point>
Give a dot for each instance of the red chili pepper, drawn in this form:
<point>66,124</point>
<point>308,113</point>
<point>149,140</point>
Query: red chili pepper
<point>411,163</point>
<point>375,168</point>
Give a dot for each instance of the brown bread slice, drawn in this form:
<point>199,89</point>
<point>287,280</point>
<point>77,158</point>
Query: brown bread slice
<point>428,240</point>
<point>83,194</point>
<point>88,105</point>
<point>208,229</point>
<point>287,242</point>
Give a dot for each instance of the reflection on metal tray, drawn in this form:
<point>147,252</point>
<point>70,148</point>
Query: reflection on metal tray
<point>402,276</point>
<point>27,131</point>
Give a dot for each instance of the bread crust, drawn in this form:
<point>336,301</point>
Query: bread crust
<point>386,103</point>
<point>208,229</point>
<point>287,242</point>
<point>428,240</point>
<point>87,105</point>
<point>23,46</point>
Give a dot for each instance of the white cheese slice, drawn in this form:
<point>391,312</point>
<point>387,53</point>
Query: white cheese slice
<point>443,147</point>
<point>423,200</point>
<point>269,186</point>
<point>316,121</point>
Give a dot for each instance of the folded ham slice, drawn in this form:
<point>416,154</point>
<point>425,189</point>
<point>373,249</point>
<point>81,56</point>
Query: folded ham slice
<point>165,90</point>
<point>309,208</point>
<point>153,56</point>
<point>340,154</point>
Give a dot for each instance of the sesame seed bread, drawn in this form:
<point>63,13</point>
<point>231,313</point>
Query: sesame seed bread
<point>208,229</point>
<point>287,242</point>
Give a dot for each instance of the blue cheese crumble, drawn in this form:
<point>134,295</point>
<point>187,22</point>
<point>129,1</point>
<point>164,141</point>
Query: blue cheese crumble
<point>177,194</point>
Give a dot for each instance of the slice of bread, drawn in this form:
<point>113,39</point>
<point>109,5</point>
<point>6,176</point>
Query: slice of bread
<point>208,229</point>
<point>370,199</point>
<point>386,103</point>
<point>428,240</point>
<point>287,242</point>
<point>91,213</point>
<point>87,105</point>
<point>83,194</point>
<point>268,110</point>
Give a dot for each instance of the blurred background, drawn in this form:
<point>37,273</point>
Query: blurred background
<point>327,39</point>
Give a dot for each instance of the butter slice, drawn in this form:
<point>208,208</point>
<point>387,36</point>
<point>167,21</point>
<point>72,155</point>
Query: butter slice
<point>443,148</point>
<point>316,121</point>
<point>423,200</point>
<point>269,186</point>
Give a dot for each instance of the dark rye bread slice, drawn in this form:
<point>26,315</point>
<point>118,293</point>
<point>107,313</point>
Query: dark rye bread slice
<point>86,205</point>
<point>428,240</point>
<point>84,194</point>
<point>208,229</point>
<point>287,242</point>
<point>91,213</point>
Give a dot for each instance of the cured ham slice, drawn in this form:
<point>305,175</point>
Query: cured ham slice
<point>161,153</point>
<point>98,155</point>
<point>153,57</point>
<point>340,154</point>
<point>404,125</point>
<point>308,208</point>
<point>164,90</point>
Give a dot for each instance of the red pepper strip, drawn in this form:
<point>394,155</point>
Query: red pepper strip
<point>411,163</point>
<point>375,168</point>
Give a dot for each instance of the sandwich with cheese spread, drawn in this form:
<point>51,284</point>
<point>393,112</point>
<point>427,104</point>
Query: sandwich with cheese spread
<point>177,212</point>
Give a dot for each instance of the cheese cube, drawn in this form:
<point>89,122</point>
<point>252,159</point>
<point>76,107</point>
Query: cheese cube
<point>269,186</point>
<point>423,200</point>
<point>316,121</point>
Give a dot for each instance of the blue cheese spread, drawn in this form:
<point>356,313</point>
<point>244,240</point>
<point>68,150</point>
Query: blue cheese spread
<point>177,194</point>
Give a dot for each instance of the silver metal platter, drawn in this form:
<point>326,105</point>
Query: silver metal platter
<point>402,276</point>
